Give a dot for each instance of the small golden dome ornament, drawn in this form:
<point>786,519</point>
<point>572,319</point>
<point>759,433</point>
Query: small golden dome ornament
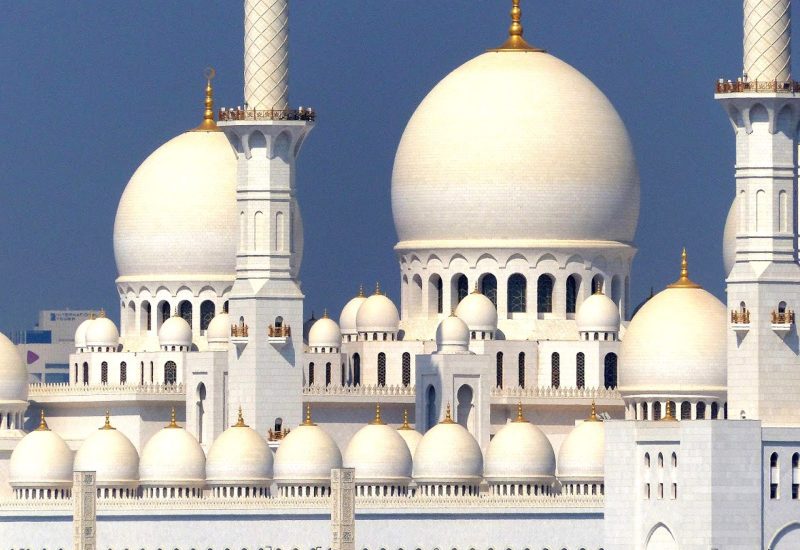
<point>240,421</point>
<point>447,418</point>
<point>173,420</point>
<point>208,124</point>
<point>670,413</point>
<point>377,421</point>
<point>406,425</point>
<point>515,42</point>
<point>43,427</point>
<point>593,415</point>
<point>107,425</point>
<point>360,291</point>
<point>378,289</point>
<point>684,281</point>
<point>308,421</point>
<point>520,417</point>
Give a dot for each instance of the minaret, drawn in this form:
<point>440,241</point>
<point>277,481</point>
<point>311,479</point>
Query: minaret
<point>265,374</point>
<point>764,284</point>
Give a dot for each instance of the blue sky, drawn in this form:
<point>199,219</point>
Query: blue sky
<point>90,89</point>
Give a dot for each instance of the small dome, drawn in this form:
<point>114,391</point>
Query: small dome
<point>379,454</point>
<point>175,331</point>
<point>378,314</point>
<point>306,456</point>
<point>41,459</point>
<point>219,329</point>
<point>582,454</point>
<point>240,456</point>
<point>520,452</point>
<point>478,312</point>
<point>80,333</point>
<point>729,237</point>
<point>598,313</point>
<point>13,374</point>
<point>307,324</point>
<point>676,343</point>
<point>102,333</point>
<point>325,333</point>
<point>347,319</point>
<point>448,453</point>
<point>172,458</point>
<point>111,455</point>
<point>411,436</point>
<point>452,335</point>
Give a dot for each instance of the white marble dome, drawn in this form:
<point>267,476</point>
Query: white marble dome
<point>452,335</point>
<point>182,195</point>
<point>175,331</point>
<point>80,333</point>
<point>520,453</point>
<point>378,314</point>
<point>41,459</point>
<point>13,373</point>
<point>379,454</point>
<point>675,344</point>
<point>729,237</point>
<point>306,457</point>
<point>531,148</point>
<point>347,319</point>
<point>598,313</point>
<point>581,456</point>
<point>239,456</point>
<point>411,436</point>
<point>172,458</point>
<point>478,311</point>
<point>325,333</point>
<point>103,333</point>
<point>219,329</point>
<point>448,453</point>
<point>111,455</point>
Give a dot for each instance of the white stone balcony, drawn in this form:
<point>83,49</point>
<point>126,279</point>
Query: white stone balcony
<point>53,393</point>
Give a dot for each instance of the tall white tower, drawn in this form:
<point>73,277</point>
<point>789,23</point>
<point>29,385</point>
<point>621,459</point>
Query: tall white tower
<point>265,367</point>
<point>764,283</point>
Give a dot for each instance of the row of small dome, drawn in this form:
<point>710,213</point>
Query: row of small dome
<point>519,453</point>
<point>101,334</point>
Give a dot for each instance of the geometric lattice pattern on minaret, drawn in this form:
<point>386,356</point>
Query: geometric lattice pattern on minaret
<point>767,40</point>
<point>266,54</point>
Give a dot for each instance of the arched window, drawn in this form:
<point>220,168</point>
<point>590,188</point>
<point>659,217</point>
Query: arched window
<point>616,289</point>
<point>104,373</point>
<point>674,460</point>
<point>164,312</point>
<point>573,284</point>
<point>148,321</point>
<point>406,369</point>
<point>206,314</point>
<point>521,369</point>
<point>580,370</point>
<point>646,460</point>
<point>795,476</point>
<point>714,411</point>
<point>344,374</point>
<point>544,294</point>
<point>774,477</point>
<point>657,410</point>
<point>597,284</point>
<point>85,373</point>
<point>356,369</point>
<point>123,373</point>
<point>499,377</point>
<point>459,289</point>
<point>686,411</point>
<point>660,460</point>
<point>141,373</point>
<point>701,410</point>
<point>201,399</point>
<point>435,294</point>
<point>76,373</point>
<point>517,290</point>
<point>311,374</point>
<point>489,287</point>
<point>185,311</point>
<point>327,374</point>
<point>433,417</point>
<point>644,411</point>
<point>725,410</point>
<point>170,372</point>
<point>555,370</point>
<point>610,371</point>
<point>381,369</point>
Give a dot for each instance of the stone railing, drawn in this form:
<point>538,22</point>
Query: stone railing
<point>484,501</point>
<point>782,317</point>
<point>405,391</point>
<point>770,86</point>
<point>78,389</point>
<point>555,393</point>
<point>740,317</point>
<point>239,331</point>
<point>238,113</point>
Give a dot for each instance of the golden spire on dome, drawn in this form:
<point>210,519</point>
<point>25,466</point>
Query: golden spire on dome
<point>42,422</point>
<point>107,425</point>
<point>208,124</point>
<point>515,42</point>
<point>475,290</point>
<point>447,418</point>
<point>308,421</point>
<point>377,420</point>
<point>405,425</point>
<point>593,415</point>
<point>240,421</point>
<point>377,288</point>
<point>360,291</point>
<point>102,313</point>
<point>325,313</point>
<point>173,420</point>
<point>520,417</point>
<point>684,281</point>
<point>670,414</point>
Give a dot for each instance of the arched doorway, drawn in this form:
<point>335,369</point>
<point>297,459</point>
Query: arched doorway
<point>661,539</point>
<point>465,408</point>
<point>430,409</point>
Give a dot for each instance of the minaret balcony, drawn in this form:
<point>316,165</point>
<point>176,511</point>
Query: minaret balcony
<point>742,85</point>
<point>740,320</point>
<point>260,115</point>
<point>279,336</point>
<point>239,334</point>
<point>782,322</point>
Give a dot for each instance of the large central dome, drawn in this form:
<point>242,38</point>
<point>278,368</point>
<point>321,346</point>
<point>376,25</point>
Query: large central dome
<point>514,146</point>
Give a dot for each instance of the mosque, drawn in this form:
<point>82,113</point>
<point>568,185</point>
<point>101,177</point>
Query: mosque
<point>509,401</point>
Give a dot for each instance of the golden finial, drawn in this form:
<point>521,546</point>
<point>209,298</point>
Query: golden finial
<point>520,417</point>
<point>101,314</point>
<point>378,419</point>
<point>360,291</point>
<point>593,415</point>
<point>107,425</point>
<point>92,316</point>
<point>42,422</point>
<point>208,124</point>
<point>173,421</point>
<point>175,312</point>
<point>598,289</point>
<point>405,425</point>
<point>515,42</point>
<point>475,290</point>
<point>377,288</point>
<point>308,421</point>
<point>670,415</point>
<point>684,281</point>
<point>325,313</point>
<point>240,421</point>
<point>447,418</point>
